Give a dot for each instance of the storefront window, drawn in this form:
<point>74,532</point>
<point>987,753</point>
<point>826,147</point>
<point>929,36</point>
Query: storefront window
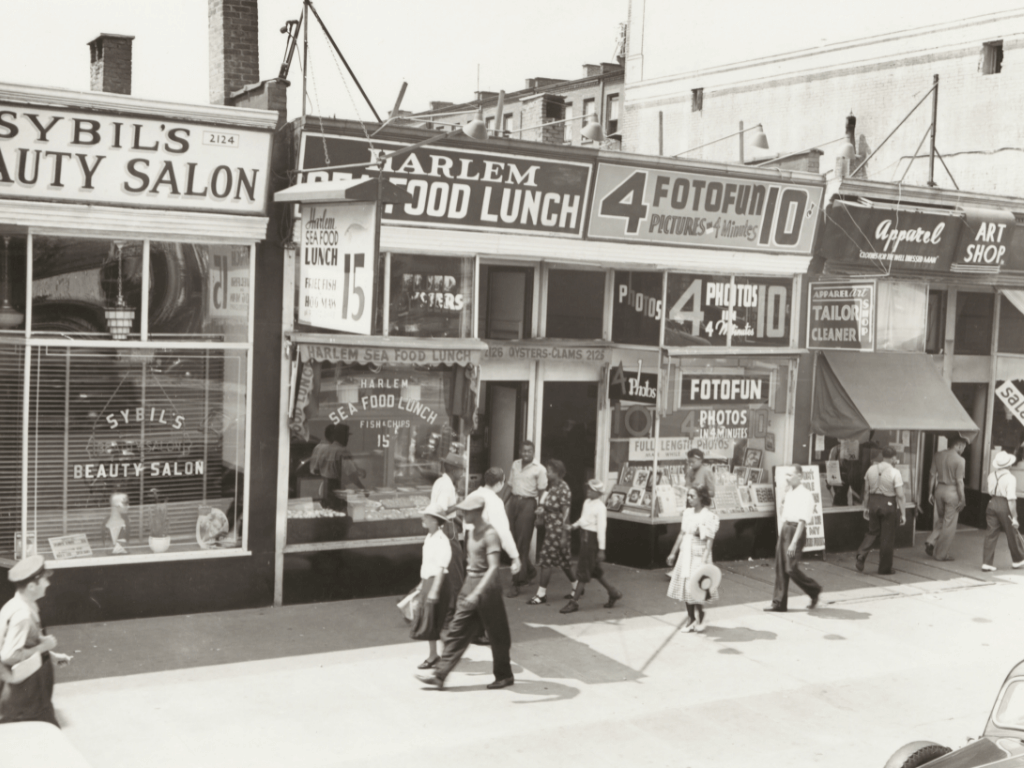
<point>431,296</point>
<point>158,435</point>
<point>901,317</point>
<point>935,341</point>
<point>1011,324</point>
<point>575,304</point>
<point>76,281</point>
<point>637,308</point>
<point>973,323</point>
<point>728,311</point>
<point>506,302</point>
<point>368,443</point>
<point>734,410</point>
<point>199,291</point>
<point>843,464</point>
<point>129,450</point>
<point>12,283</point>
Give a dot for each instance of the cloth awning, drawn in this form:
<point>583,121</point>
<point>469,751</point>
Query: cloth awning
<point>857,392</point>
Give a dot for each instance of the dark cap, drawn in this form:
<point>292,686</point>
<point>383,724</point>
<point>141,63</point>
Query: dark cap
<point>888,453</point>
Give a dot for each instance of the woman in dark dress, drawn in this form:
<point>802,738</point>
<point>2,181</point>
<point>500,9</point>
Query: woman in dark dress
<point>553,521</point>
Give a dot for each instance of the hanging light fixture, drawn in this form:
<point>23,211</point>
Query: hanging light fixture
<point>9,316</point>
<point>120,316</point>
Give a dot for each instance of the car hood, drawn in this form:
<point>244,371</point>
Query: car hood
<point>1006,753</point>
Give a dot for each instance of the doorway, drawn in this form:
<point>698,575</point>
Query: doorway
<point>569,433</point>
<point>501,426</point>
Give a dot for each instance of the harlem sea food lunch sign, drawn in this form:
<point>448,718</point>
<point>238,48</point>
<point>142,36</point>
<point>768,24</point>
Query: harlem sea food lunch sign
<point>463,188</point>
<point>63,155</point>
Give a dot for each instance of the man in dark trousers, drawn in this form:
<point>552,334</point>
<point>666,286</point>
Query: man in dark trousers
<point>480,603</point>
<point>946,497</point>
<point>884,500</point>
<point>526,480</point>
<point>797,513</point>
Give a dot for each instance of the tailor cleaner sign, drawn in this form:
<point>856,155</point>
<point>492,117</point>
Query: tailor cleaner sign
<point>841,316</point>
<point>56,155</point>
<point>462,188</point>
<point>707,210</point>
<point>336,265</point>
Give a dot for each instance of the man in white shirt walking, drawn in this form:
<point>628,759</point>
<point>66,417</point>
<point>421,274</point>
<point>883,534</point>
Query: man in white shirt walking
<point>883,500</point>
<point>527,479</point>
<point>797,513</point>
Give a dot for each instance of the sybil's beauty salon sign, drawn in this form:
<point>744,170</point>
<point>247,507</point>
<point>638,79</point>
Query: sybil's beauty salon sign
<point>90,157</point>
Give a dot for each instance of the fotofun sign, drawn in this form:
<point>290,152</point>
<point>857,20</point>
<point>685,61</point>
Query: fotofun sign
<point>462,188</point>
<point>708,210</point>
<point>67,156</point>
<point>336,266</point>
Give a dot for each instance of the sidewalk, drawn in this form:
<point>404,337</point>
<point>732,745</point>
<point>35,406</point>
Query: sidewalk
<point>331,685</point>
<point>111,649</point>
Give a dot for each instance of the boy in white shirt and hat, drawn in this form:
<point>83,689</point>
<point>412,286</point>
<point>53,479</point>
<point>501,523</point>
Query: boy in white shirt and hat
<point>593,526</point>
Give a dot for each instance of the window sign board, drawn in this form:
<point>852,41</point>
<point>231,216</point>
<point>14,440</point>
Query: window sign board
<point>336,266</point>
<point>708,210</point>
<point>728,311</point>
<point>841,315</point>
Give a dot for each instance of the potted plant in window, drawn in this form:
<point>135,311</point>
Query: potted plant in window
<point>159,533</point>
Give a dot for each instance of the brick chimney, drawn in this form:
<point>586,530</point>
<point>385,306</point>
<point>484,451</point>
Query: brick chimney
<point>110,63</point>
<point>537,112</point>
<point>234,47</point>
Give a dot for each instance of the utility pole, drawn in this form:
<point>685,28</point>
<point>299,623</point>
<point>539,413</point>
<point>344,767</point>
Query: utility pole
<point>935,117</point>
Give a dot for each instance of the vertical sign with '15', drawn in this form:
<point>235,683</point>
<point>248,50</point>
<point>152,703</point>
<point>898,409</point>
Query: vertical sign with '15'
<point>336,266</point>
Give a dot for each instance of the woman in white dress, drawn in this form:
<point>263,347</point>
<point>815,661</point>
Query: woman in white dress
<point>692,550</point>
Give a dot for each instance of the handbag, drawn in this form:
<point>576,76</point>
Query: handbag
<point>410,605</point>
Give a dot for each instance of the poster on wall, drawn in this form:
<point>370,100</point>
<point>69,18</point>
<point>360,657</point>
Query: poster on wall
<point>841,315</point>
<point>336,266</point>
<point>708,210</point>
<point>727,311</point>
<point>811,480</point>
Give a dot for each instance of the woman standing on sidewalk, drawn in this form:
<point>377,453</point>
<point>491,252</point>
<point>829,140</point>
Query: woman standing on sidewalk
<point>1001,514</point>
<point>553,520</point>
<point>435,586</point>
<point>691,551</point>
<point>593,525</point>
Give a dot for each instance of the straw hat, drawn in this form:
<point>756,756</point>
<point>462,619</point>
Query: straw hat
<point>1003,460</point>
<point>435,511</point>
<point>710,571</point>
<point>595,485</point>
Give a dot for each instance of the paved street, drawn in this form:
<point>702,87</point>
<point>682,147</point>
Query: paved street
<point>917,655</point>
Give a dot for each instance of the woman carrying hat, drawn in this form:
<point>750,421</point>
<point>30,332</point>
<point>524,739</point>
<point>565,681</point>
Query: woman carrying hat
<point>435,584</point>
<point>593,525</point>
<point>691,554</point>
<point>1001,514</point>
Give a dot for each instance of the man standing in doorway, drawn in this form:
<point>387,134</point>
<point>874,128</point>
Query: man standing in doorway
<point>527,479</point>
<point>797,514</point>
<point>883,491</point>
<point>947,498</point>
<point>698,474</point>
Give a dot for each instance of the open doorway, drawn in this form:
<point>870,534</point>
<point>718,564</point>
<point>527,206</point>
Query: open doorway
<point>501,427</point>
<point>570,432</point>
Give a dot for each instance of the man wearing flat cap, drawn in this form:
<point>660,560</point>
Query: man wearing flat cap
<point>480,605</point>
<point>26,651</point>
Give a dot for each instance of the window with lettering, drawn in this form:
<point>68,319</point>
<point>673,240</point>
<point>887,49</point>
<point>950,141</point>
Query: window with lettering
<point>728,311</point>
<point>431,296</point>
<point>370,444</point>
